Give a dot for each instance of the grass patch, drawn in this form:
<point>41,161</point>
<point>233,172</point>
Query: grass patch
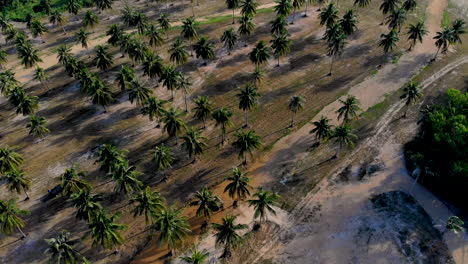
<point>445,18</point>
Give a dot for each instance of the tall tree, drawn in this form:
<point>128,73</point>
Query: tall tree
<point>178,53</point>
<point>148,203</point>
<point>183,83</point>
<point>279,25</point>
<point>18,182</point>
<point>260,53</point>
<point>194,143</point>
<point>229,39</point>
<point>37,28</point>
<point>82,37</point>
<point>344,136</point>
<point>115,33</point>
<point>257,75</point>
<point>328,15</point>
<point>204,49</point>
<point>173,122</point>
<point>63,53</point>
<point>349,22</point>
<point>322,129</point>
<point>248,7</point>
<point>296,103</point>
<point>296,4</point>
<point>37,126</point>
<point>335,47</point>
<point>41,75</point>
<point>87,204</point>
<point>233,5</point>
<point>171,226</point>
<point>396,19</point>
<point>102,97</point>
<point>248,97</point>
<point>238,186</point>
<point>170,78</point>
<point>189,30</point>
<point>263,203</point>
<point>411,93</point>
<point>154,108</point>
<point>203,108</point>
<point>72,182</point>
<point>9,159</point>
<point>58,19</point>
<point>104,4</point>
<point>28,55</point>
<point>227,234</point>
<point>90,19</point>
<point>207,203</point>
<point>388,6</point>
<point>153,65</point>
<point>458,28</point>
<point>162,157</point>
<point>246,143</point>
<point>246,27</point>
<point>73,6</point>
<point>416,32</point>
<point>349,109</point>
<point>283,7</point>
<point>125,76</point>
<point>138,92</point>
<point>223,117</point>
<point>388,41</point>
<point>409,5</point>
<point>10,217</point>
<point>280,45</point>
<point>443,40</point>
<point>24,103</point>
<point>103,59</point>
<point>140,21</point>
<point>105,232</point>
<point>109,157</point>
<point>154,35</point>
<point>164,23</point>
<point>61,249</point>
<point>126,178</point>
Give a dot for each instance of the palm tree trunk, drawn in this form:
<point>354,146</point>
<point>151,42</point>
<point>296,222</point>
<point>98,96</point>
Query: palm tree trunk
<point>64,32</point>
<point>292,119</point>
<point>331,65</point>
<point>27,196</point>
<point>172,95</point>
<point>306,7</point>
<point>278,62</point>
<point>185,100</point>
<point>21,231</point>
<point>191,48</point>
<point>437,53</point>
<point>233,21</point>
<point>204,123</point>
<point>246,118</point>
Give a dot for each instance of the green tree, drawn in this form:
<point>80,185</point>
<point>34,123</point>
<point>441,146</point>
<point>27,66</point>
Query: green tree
<point>178,53</point>
<point>138,92</point>
<point>349,109</point>
<point>296,103</point>
<point>388,6</point>
<point>296,4</point>
<point>105,232</point>
<point>171,226</point>
<point>196,257</point>
<point>73,6</point>
<point>164,23</point>
<point>183,83</point>
<point>3,58</point>
<point>409,5</point>
<point>194,143</point>
<point>189,30</point>
<point>416,32</point>
<point>170,78</point>
<point>18,182</point>
<point>233,5</point>
<point>125,76</point>
<point>279,25</point>
<point>10,217</point>
<point>263,203</point>
<point>362,3</point>
<point>140,21</point>
<point>223,117</point>
<point>61,249</point>
<point>396,19</point>
<point>72,182</point>
<point>173,122</point>
<point>58,19</point>
<point>246,143</point>
<point>248,7</point>
<point>162,157</point>
<point>102,97</point>
<point>258,75</point>
<point>115,33</point>
<point>87,204</point>
<point>443,40</point>
<point>154,35</point>
<point>40,75</point>
<point>126,178</point>
<point>204,49</point>
<point>37,28</point>
<point>280,45</point>
<point>8,82</point>
<point>109,157</point>
<point>9,159</point>
<point>328,15</point>
<point>153,65</point>
<point>154,109</point>
<point>260,53</point>
<point>203,108</point>
<point>388,41</point>
<point>458,28</point>
<point>24,103</point>
<point>227,234</point>
<point>207,203</point>
<point>349,22</point>
<point>37,126</point>
<point>455,225</point>
<point>90,19</point>
<point>148,202</point>
<point>248,97</point>
<point>411,93</point>
<point>323,129</point>
<point>283,7</point>
<point>335,47</point>
<point>82,36</point>
<point>229,39</point>
<point>344,136</point>
<point>238,186</point>
<point>103,59</point>
<point>63,53</point>
<point>28,55</point>
<point>104,4</point>
<point>246,27</point>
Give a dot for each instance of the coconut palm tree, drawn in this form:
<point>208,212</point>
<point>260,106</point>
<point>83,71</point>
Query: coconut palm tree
<point>278,25</point>
<point>104,4</point>
<point>103,59</point>
<point>71,182</point>
<point>125,75</point>
<point>248,7</point>
<point>109,157</point>
<point>196,257</point>
<point>173,122</point>
<point>61,249</point>
<point>73,6</point>
<point>246,142</point>
<point>229,39</point>
<point>28,55</point>
<point>189,30</point>
<point>223,117</point>
<point>9,159</point>
<point>25,104</point>
<point>257,75</point>
<point>233,5</point>
<point>170,78</point>
<point>140,21</point>
<point>183,83</point>
<point>138,92</point>
<point>10,217</point>
<point>40,75</point>
<point>164,23</point>
<point>349,109</point>
<point>388,41</point>
<point>126,178</point>
<point>115,33</point>
<point>90,19</point>
<point>63,53</point>
<point>409,5</point>
<point>349,22</point>
<point>458,28</point>
<point>362,3</point>
<point>248,97</point>
<point>296,103</point>
<point>87,204</point>
<point>154,35</point>
<point>443,40</point>
<point>411,92</point>
<point>283,7</point>
<point>82,37</point>
<point>3,57</point>
<point>153,65</point>
<point>37,28</point>
<point>246,27</point>
<point>396,19</point>
<point>162,157</point>
<point>263,203</point>
<point>296,4</point>
<point>260,53</point>
<point>37,126</point>
<point>323,129</point>
<point>416,32</point>
<point>128,16</point>
<point>335,47</point>
<point>154,108</point>
<point>194,143</point>
<point>102,97</point>
<point>148,203</point>
<point>58,19</point>
<point>203,108</point>
<point>17,181</point>
<point>328,15</point>
<point>171,226</point>
<point>8,82</point>
<point>344,136</point>
<point>105,232</point>
<point>227,234</point>
<point>207,203</point>
<point>280,45</point>
<point>238,186</point>
<point>204,49</point>
<point>178,53</point>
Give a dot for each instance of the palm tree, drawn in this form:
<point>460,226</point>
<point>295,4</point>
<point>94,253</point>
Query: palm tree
<point>223,117</point>
<point>344,136</point>
<point>109,157</point>
<point>3,57</point>
<point>164,22</point>
<point>246,27</point>
<point>203,108</point>
<point>115,33</point>
<point>178,53</point>
<point>154,108</point>
<point>126,178</point>
<point>232,4</point>
<point>458,28</point>
<point>71,182</point>
<point>105,232</point>
<point>148,203</point>
<point>297,4</point>
<point>170,78</point>
<point>260,53</point>
<point>37,126</point>
<point>63,53</point>
<point>411,93</point>
<point>10,217</point>
<point>173,122</point>
<point>102,97</point>
<point>29,56</point>
<point>82,37</point>
<point>388,41</point>
<point>58,19</point>
<point>194,143</point>
<point>416,32</point>
<point>37,28</point>
<point>171,226</point>
<point>349,22</point>
<point>153,65</point>
<point>362,3</point>
<point>183,83</point>
<point>40,75</point>
<point>335,47</point>
<point>162,157</point>
<point>248,7</point>
<point>396,19</point>
<point>443,40</point>
<point>329,15</point>
<point>207,203</point>
<point>9,159</point>
<point>140,21</point>
<point>25,104</point>
<point>258,75</point>
<point>409,5</point>
<point>154,35</point>
<point>246,143</point>
<point>455,224</point>
<point>126,74</point>
<point>73,6</point>
<point>388,6</point>
<point>229,38</point>
<point>295,104</point>
<point>204,49</point>
<point>189,30</point>
<point>196,257</point>
<point>349,109</point>
<point>280,45</point>
<point>87,205</point>
<point>248,97</point>
<point>263,204</point>
<point>278,25</point>
<point>61,249</point>
<point>16,181</point>
<point>323,129</point>
<point>238,187</point>
<point>283,7</point>
<point>227,234</point>
<point>103,59</point>
<point>138,92</point>
<point>104,4</point>
<point>90,19</point>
